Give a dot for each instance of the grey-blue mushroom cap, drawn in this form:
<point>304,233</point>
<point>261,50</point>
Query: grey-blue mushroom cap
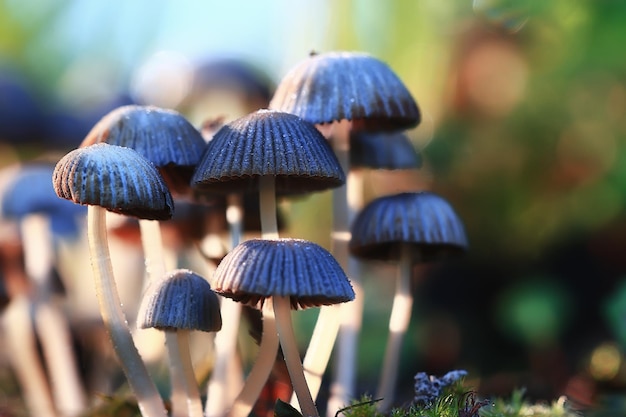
<point>304,271</point>
<point>383,150</point>
<point>162,136</point>
<point>113,177</point>
<point>268,143</point>
<point>423,220</point>
<point>183,300</point>
<point>355,86</point>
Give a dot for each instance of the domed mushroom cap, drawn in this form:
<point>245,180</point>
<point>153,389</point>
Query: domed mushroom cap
<point>115,178</point>
<point>383,150</point>
<point>182,300</point>
<point>162,136</point>
<point>423,220</point>
<point>268,143</point>
<point>257,269</point>
<point>347,85</point>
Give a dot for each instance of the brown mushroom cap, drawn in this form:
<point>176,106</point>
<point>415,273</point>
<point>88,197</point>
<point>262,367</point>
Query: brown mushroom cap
<point>257,269</point>
<point>115,178</point>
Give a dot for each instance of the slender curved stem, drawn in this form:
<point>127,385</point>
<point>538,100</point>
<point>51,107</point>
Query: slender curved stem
<point>269,340</point>
<point>319,349</point>
<point>282,311</point>
<point>148,398</point>
<point>398,324</point>
<point>226,339</point>
<point>262,367</point>
<point>50,322</point>
<point>22,347</point>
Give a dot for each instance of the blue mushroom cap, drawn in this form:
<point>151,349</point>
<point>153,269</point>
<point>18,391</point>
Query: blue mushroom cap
<point>423,220</point>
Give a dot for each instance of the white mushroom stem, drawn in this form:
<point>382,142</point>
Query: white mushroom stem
<point>50,322</point>
<point>398,324</point>
<point>267,198</point>
<point>152,243</point>
<point>268,348</point>
<point>261,369</point>
<point>193,407</point>
<point>22,348</point>
<point>282,311</point>
<point>148,398</point>
<point>348,321</point>
<point>226,340</point>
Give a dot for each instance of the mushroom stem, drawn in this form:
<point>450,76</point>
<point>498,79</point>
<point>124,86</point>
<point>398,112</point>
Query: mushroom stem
<point>22,349</point>
<point>262,367</point>
<point>50,322</point>
<point>226,339</point>
<point>267,199</point>
<point>282,311</point>
<point>319,350</point>
<point>343,386</point>
<point>181,349</point>
<point>152,243</point>
<point>148,398</point>
<point>398,324</point>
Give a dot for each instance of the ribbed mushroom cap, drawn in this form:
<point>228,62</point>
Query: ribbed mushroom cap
<point>268,143</point>
<point>383,150</point>
<point>347,85</point>
<point>113,177</point>
<point>182,300</point>
<point>423,220</point>
<point>257,269</point>
<point>164,137</point>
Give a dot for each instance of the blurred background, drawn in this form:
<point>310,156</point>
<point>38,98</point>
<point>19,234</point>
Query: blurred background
<point>523,131</point>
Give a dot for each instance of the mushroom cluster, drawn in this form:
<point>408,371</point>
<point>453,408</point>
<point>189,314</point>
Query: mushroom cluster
<point>333,117</point>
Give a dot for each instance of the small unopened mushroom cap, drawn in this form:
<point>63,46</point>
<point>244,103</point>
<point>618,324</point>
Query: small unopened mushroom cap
<point>162,136</point>
<point>257,269</point>
<point>382,150</point>
<point>347,85</point>
<point>113,177</point>
<point>423,220</point>
<point>182,300</point>
<point>268,143</point>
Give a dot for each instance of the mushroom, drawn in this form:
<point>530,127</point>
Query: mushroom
<point>118,179</point>
<point>30,200</point>
<point>343,91</point>
<point>269,152</point>
<point>168,140</point>
<point>383,150</point>
<point>279,275</point>
<point>405,228</point>
<point>180,302</point>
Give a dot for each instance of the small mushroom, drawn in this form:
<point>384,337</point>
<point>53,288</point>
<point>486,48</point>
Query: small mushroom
<point>405,228</point>
<point>180,302</point>
<point>280,275</point>
<point>118,179</point>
